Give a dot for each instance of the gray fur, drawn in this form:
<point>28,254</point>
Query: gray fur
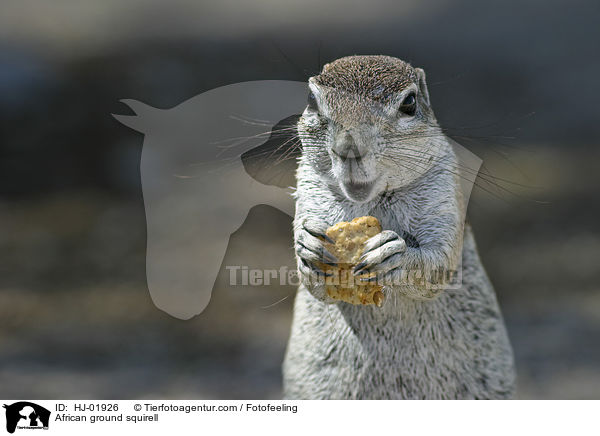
<point>426,341</point>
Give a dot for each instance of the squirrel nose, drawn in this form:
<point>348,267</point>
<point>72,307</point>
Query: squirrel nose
<point>346,148</point>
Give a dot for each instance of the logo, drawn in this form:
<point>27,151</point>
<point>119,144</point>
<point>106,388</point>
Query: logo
<point>26,415</point>
<point>205,164</point>
<point>197,188</point>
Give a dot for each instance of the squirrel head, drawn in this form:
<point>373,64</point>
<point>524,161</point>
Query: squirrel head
<point>369,127</point>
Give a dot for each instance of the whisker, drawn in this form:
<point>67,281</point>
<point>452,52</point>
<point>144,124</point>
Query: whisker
<point>276,303</point>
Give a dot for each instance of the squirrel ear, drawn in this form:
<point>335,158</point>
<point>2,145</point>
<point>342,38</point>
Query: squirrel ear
<point>423,84</point>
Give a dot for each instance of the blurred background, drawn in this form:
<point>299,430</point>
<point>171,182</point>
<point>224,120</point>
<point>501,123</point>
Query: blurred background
<point>515,82</point>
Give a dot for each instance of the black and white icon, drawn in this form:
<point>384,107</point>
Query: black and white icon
<point>26,415</point>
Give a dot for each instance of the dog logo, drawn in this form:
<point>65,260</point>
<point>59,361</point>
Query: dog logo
<point>26,415</point>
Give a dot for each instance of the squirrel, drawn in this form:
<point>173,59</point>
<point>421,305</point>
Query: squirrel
<point>371,145</point>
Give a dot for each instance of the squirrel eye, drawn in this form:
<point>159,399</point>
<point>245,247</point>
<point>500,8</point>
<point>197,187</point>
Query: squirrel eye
<point>409,104</point>
<point>312,101</point>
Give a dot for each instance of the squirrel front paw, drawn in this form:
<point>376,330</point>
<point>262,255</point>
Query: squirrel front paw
<point>382,255</point>
<point>311,251</point>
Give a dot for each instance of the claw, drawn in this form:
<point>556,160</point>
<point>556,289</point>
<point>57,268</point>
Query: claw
<point>318,234</point>
<point>379,240</point>
<point>328,258</point>
<point>363,272</point>
<point>382,278</point>
<point>315,269</point>
<point>322,255</point>
<point>358,267</point>
<point>327,238</point>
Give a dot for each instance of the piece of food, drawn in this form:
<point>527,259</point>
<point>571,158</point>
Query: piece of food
<point>349,238</point>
